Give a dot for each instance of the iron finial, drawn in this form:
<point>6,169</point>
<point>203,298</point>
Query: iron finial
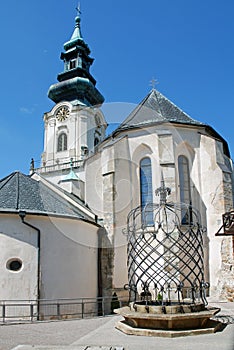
<point>153,83</point>
<point>78,9</point>
<point>163,191</point>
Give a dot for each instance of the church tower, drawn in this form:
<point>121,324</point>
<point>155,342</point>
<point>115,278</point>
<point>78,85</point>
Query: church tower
<point>75,125</point>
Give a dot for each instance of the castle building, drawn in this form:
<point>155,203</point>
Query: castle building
<point>80,196</point>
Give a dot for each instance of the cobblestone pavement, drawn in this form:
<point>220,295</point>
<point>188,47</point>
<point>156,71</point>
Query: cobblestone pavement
<point>79,334</point>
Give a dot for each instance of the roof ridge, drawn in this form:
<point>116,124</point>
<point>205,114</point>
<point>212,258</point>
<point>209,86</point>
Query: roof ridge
<point>65,194</point>
<point>17,189</point>
<point>156,108</point>
<point>23,192</point>
<point>177,107</point>
<point>136,109</point>
<point>156,94</point>
<point>9,178</point>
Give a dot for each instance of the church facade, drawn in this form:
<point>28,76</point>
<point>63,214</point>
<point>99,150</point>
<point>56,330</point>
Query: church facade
<point>108,176</point>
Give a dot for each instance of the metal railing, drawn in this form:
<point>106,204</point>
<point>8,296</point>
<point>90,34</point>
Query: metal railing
<point>56,167</point>
<point>59,309</point>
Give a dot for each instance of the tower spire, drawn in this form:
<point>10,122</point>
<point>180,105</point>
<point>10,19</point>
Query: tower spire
<point>77,32</point>
<point>75,83</point>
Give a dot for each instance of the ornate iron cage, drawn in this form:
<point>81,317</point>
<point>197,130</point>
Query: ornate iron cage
<point>165,253</point>
<point>228,225</point>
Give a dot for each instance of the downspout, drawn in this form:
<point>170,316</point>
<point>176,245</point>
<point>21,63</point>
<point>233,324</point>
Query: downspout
<point>22,215</point>
<point>99,268</point>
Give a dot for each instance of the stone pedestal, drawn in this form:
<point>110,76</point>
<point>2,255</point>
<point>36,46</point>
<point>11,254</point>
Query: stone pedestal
<point>170,323</point>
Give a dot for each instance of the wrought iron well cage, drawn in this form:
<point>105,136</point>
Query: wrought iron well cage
<point>165,253</point>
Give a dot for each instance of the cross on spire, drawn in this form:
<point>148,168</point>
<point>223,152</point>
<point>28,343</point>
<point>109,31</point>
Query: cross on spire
<point>153,82</point>
<point>78,9</point>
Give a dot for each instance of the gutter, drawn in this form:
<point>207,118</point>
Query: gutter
<point>49,214</point>
<point>22,215</point>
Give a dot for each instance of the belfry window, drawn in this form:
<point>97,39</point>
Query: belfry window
<point>185,189</point>
<point>72,63</point>
<point>62,142</point>
<point>146,191</point>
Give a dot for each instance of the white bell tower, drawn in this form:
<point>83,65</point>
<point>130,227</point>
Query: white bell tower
<point>75,125</point>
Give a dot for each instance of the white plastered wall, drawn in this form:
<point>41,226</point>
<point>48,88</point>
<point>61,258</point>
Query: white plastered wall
<point>17,241</point>
<point>68,258</point>
<point>206,184</point>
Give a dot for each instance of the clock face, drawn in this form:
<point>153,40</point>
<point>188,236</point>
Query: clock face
<point>62,113</point>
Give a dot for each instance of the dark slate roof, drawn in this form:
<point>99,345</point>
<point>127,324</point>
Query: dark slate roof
<point>156,108</point>
<point>21,192</point>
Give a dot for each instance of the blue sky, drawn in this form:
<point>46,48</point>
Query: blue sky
<point>186,45</point>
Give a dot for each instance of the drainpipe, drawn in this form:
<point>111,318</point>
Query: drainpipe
<point>22,215</point>
<point>100,273</point>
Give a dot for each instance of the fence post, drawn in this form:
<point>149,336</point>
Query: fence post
<point>3,312</point>
<point>103,306</point>
<point>58,310</point>
<point>31,312</point>
<point>82,308</point>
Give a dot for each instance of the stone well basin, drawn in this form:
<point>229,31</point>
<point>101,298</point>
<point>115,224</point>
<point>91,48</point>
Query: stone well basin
<point>172,317</point>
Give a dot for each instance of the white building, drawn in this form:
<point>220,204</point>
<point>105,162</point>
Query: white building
<point>92,179</point>
<point>46,234</point>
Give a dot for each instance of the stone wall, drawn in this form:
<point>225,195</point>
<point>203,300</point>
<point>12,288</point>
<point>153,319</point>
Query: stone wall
<point>229,293</point>
<point>226,275</point>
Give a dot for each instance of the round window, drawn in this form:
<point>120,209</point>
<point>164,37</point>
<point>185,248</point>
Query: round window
<point>14,264</point>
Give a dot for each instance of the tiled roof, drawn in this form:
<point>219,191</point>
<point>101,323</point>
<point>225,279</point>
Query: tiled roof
<point>156,108</point>
<point>21,192</point>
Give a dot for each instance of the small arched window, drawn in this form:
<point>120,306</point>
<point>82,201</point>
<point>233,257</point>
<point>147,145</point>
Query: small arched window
<point>185,189</point>
<point>62,142</point>
<point>146,190</point>
<point>96,141</point>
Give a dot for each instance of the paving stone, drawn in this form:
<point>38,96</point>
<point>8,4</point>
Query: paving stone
<point>101,332</point>
<point>68,347</point>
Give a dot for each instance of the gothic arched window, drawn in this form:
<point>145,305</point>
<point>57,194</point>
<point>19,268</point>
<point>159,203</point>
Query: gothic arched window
<point>185,189</point>
<point>62,142</point>
<point>146,190</point>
